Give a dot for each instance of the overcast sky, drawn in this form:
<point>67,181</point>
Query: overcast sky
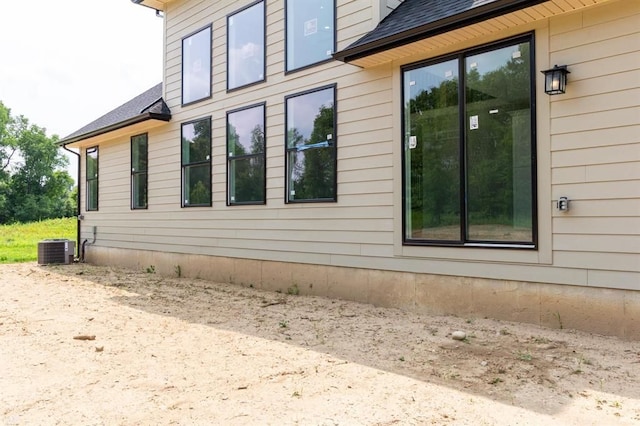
<point>64,63</point>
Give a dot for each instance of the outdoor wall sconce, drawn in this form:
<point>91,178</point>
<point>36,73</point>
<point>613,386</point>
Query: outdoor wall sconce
<point>563,204</point>
<point>555,79</point>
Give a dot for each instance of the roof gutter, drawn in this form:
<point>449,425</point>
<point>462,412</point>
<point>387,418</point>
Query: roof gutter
<point>422,32</point>
<point>129,122</point>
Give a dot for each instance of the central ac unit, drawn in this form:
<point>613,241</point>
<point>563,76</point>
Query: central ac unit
<point>56,251</point>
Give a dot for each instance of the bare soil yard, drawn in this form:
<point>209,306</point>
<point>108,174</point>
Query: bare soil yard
<point>93,345</point>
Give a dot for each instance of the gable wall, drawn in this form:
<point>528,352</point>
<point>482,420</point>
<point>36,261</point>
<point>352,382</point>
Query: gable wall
<point>591,151</point>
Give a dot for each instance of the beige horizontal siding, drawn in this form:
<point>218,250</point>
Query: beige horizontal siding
<point>623,135</point>
<point>596,143</point>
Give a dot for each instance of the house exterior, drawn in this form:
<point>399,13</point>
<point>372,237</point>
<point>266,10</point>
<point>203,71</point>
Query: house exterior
<point>400,153</point>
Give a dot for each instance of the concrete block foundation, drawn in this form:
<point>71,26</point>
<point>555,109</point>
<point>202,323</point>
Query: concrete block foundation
<point>599,310</point>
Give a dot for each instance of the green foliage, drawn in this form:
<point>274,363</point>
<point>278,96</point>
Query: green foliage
<point>33,183</point>
<point>19,241</point>
<point>199,194</point>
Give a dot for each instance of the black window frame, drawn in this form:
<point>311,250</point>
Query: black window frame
<point>287,43</point>
<point>460,57</point>
<point>184,166</point>
<point>139,172</point>
<point>89,180</point>
<point>208,27</point>
<point>264,45</point>
<point>334,146</point>
<point>263,154</point>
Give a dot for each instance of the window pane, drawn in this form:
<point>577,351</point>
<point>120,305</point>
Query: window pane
<point>311,146</point>
<point>245,131</point>
<point>196,66</point>
<point>139,190</point>
<point>311,174</point>
<point>310,32</point>
<point>139,153</point>
<point>197,185</point>
<point>139,171</point>
<point>92,178</point>
<point>246,180</point>
<point>246,147</point>
<point>498,127</point>
<point>432,153</point>
<point>196,141</point>
<point>92,194</point>
<point>310,118</point>
<point>246,46</point>
<point>92,163</point>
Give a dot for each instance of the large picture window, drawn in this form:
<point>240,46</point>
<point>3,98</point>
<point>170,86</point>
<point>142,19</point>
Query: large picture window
<point>310,35</point>
<point>311,146</point>
<point>246,155</point>
<point>469,149</point>
<point>139,156</point>
<point>245,46</point>
<point>196,66</point>
<point>196,163</point>
<point>91,172</point>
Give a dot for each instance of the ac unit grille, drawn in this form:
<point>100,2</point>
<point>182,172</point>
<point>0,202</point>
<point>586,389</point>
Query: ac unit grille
<point>55,251</point>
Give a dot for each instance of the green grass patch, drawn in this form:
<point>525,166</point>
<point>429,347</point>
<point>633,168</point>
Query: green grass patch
<point>19,242</point>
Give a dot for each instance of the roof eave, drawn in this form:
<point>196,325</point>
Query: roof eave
<point>153,4</point>
<point>460,20</point>
<point>116,126</point>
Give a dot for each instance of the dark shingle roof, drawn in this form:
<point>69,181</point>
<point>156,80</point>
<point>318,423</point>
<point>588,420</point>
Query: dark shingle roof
<point>415,20</point>
<point>146,106</point>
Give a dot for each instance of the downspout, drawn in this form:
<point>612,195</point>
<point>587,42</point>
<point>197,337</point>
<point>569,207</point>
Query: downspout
<point>79,221</point>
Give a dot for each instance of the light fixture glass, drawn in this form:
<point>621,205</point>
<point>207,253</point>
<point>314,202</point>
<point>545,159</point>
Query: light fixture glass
<point>555,80</point>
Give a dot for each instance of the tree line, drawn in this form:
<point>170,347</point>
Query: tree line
<point>34,184</point>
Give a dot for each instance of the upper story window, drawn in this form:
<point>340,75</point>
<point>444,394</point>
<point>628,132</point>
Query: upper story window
<point>310,35</point>
<point>196,163</point>
<point>246,155</point>
<point>469,148</point>
<point>91,173</point>
<point>310,159</point>
<point>245,46</point>
<point>196,66</point>
<point>139,183</point>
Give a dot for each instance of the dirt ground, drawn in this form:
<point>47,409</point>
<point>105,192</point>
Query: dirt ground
<point>93,345</point>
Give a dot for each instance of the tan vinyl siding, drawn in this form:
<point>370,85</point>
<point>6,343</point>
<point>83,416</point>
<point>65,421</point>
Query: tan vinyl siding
<point>588,142</point>
<point>595,142</point>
